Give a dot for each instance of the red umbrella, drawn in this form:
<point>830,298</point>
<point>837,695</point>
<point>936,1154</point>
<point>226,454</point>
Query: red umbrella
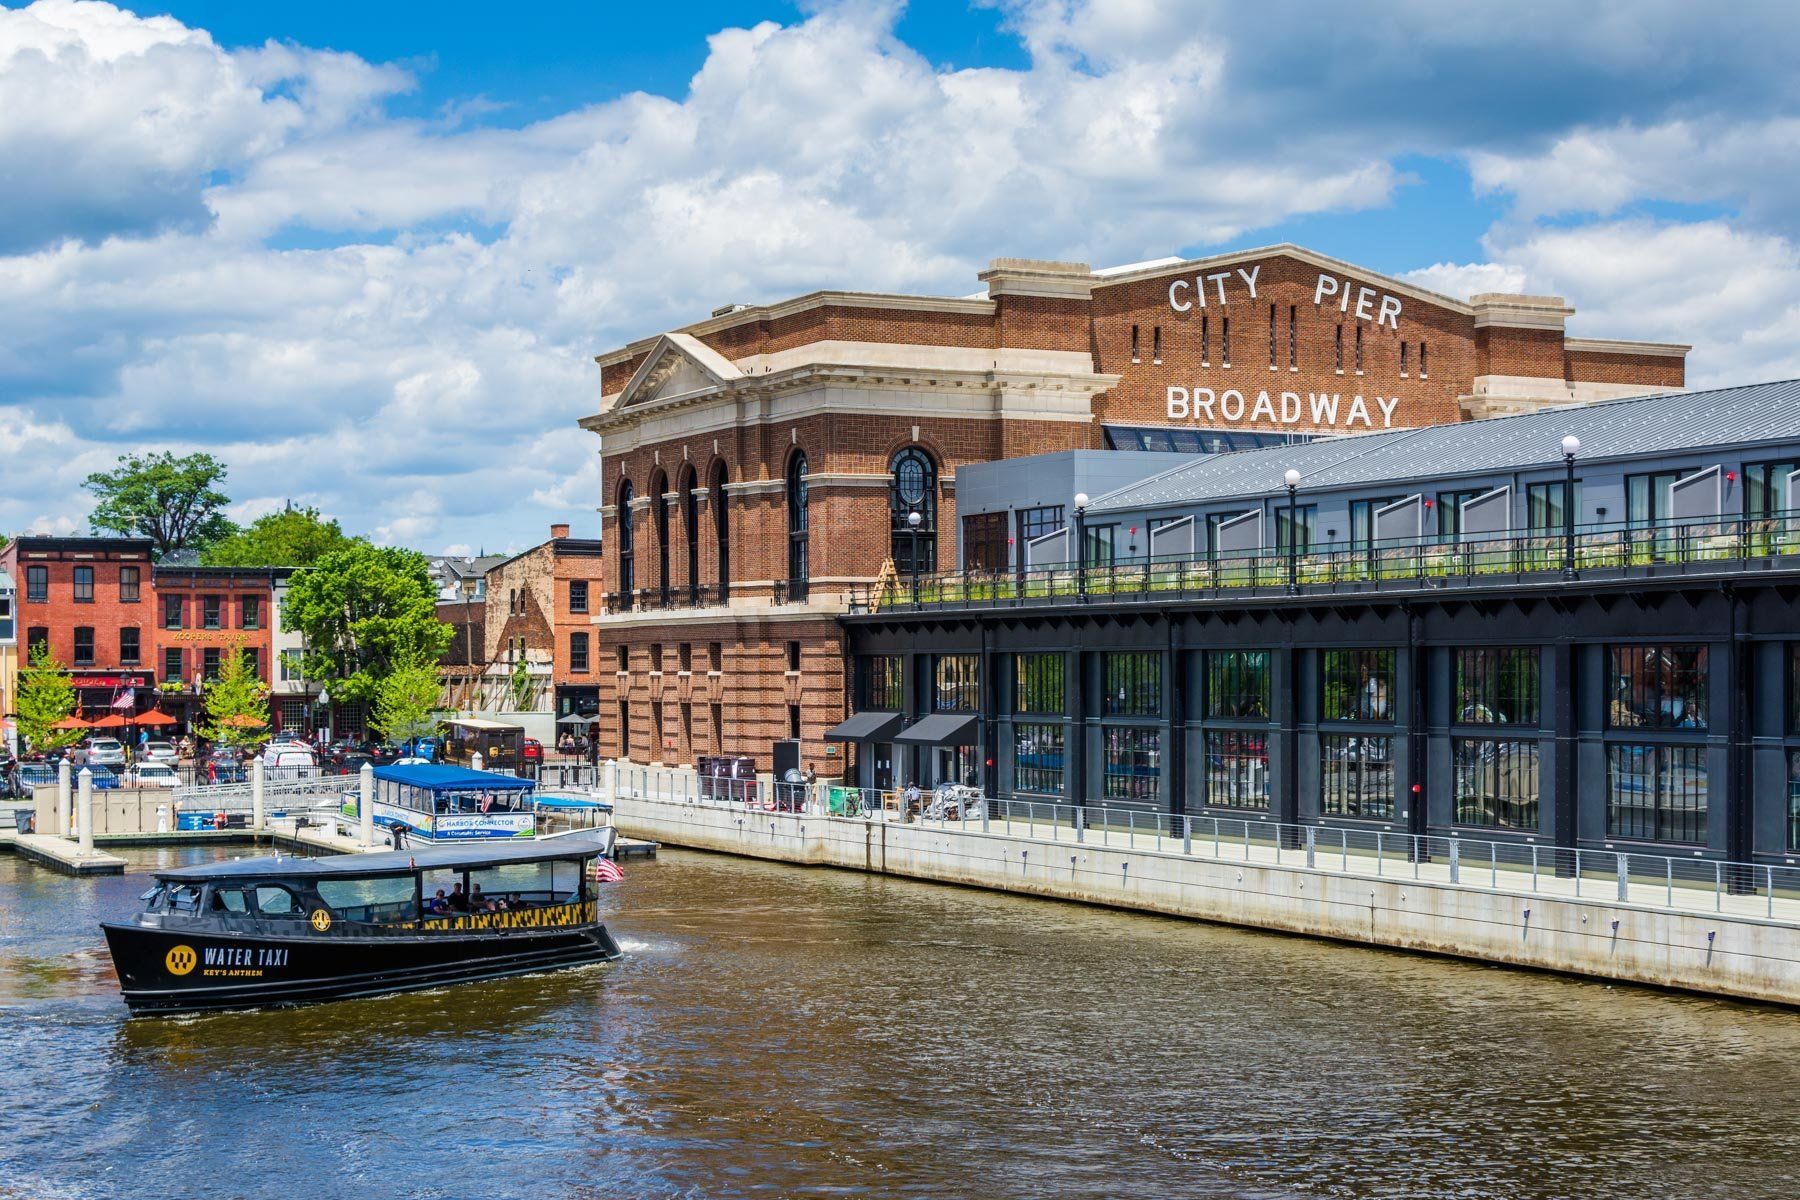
<point>155,717</point>
<point>70,722</point>
<point>109,721</point>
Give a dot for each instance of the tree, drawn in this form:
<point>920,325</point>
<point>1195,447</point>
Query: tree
<point>293,537</point>
<point>237,702</point>
<point>175,502</point>
<point>520,686</point>
<point>45,696</point>
<point>406,702</point>
<point>365,612</point>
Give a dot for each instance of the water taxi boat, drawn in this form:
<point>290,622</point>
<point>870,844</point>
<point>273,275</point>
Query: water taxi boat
<point>278,930</point>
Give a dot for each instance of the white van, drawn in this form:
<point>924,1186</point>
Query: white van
<point>288,760</point>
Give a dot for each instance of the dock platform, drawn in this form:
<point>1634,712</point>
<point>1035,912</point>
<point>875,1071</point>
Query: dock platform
<point>64,856</point>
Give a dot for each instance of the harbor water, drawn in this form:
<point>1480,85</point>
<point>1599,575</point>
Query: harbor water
<point>778,1031</point>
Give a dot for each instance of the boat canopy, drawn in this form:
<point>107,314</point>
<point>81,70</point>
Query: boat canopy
<point>394,862</point>
<point>442,777</point>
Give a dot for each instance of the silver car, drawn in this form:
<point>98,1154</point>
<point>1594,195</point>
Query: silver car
<point>106,752</point>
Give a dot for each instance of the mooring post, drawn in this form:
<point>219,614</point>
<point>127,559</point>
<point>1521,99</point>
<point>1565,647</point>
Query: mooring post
<point>476,761</point>
<point>87,812</point>
<point>256,794</point>
<point>366,804</point>
<point>65,804</point>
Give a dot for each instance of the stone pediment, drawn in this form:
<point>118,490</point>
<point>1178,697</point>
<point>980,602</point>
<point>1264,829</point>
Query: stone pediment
<point>678,364</point>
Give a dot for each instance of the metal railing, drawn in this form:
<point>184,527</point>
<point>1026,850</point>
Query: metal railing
<point>1606,550</point>
<point>1690,883</point>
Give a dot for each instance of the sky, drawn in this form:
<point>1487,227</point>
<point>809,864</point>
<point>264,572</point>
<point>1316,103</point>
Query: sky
<point>365,254</point>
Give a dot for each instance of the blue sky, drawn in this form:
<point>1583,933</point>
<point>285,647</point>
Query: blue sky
<point>366,253</point>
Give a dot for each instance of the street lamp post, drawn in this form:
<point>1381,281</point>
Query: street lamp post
<point>1292,479</point>
<point>1080,549</point>
<point>1571,446</point>
<point>913,520</point>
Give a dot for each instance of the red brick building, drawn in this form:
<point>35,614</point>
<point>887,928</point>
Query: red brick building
<point>91,600</point>
<point>201,615</point>
<point>760,467</point>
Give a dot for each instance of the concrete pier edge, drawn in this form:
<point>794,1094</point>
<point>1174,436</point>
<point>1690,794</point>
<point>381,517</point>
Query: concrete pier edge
<point>1714,954</point>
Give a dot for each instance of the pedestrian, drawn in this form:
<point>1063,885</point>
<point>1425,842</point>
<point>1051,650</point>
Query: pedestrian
<point>143,743</point>
<point>812,776</point>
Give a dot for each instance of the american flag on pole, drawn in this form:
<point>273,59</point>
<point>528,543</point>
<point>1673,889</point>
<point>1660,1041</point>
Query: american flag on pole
<point>607,871</point>
<point>126,699</point>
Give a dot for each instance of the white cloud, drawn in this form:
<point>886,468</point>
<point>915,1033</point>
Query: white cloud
<point>419,375</point>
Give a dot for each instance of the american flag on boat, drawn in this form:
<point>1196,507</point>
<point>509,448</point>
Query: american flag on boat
<point>607,871</point>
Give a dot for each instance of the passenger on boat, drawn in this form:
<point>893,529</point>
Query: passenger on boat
<point>478,902</point>
<point>437,903</point>
<point>459,902</point>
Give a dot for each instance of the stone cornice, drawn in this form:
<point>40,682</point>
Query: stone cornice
<point>813,375</point>
<point>847,479</point>
<point>755,487</point>
<point>1335,265</point>
<point>1611,346</point>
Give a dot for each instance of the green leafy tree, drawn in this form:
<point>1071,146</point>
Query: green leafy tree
<point>293,537</point>
<point>175,502</point>
<point>45,696</point>
<point>406,702</point>
<point>365,612</point>
<point>237,702</point>
<point>520,686</point>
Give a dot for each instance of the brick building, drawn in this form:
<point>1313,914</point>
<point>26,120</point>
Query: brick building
<point>762,467</point>
<point>91,601</point>
<point>538,614</point>
<point>202,614</point>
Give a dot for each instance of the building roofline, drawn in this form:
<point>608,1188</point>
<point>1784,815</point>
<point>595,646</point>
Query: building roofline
<point>1299,252</point>
<point>1619,346</point>
<point>797,304</point>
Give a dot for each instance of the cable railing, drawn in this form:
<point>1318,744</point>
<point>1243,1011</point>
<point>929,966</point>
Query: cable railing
<point>1692,883</point>
<point>1726,544</point>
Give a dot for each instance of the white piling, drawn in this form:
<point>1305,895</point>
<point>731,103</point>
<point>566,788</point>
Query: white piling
<point>257,776</point>
<point>65,801</point>
<point>476,761</point>
<point>87,812</point>
<point>366,804</point>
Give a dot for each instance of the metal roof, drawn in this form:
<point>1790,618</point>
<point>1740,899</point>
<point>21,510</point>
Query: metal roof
<point>446,777</point>
<point>1668,422</point>
<point>393,862</point>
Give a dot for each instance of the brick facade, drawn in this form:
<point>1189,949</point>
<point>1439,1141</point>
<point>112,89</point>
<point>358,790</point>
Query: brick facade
<point>1054,353</point>
<point>96,613</point>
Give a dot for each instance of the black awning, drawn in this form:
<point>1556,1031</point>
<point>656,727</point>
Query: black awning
<point>943,729</point>
<point>867,727</point>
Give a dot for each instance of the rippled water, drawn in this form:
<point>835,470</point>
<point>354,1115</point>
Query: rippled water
<point>775,1031</point>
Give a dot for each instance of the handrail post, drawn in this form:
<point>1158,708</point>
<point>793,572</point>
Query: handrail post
<point>1455,861</point>
<point>1380,856</point>
<point>1624,867</point>
<point>1310,844</point>
<point>1534,868</point>
<point>1187,834</point>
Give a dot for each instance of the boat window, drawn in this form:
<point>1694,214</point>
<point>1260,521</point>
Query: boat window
<point>185,899</point>
<point>272,901</point>
<point>153,898</point>
<point>376,900</point>
<point>231,900</point>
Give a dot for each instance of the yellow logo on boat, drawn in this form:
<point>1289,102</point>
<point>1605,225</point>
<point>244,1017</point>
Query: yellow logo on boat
<point>180,960</point>
<point>321,920</point>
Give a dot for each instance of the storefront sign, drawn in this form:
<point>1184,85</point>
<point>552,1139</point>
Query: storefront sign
<point>1353,299</point>
<point>110,681</point>
<point>1316,410</point>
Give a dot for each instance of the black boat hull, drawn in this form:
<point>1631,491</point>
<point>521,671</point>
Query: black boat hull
<point>171,971</point>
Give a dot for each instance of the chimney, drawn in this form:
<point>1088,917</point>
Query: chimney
<point>559,531</point>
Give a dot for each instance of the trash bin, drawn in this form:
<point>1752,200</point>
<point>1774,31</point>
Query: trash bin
<point>22,819</point>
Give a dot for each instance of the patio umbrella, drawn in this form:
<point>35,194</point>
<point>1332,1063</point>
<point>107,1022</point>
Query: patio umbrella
<point>155,717</point>
<point>241,721</point>
<point>576,719</point>
<point>109,721</point>
<point>70,722</point>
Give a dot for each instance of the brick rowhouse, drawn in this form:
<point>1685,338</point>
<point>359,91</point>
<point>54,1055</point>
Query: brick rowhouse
<point>719,631</point>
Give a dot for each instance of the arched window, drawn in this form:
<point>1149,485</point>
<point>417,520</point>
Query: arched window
<point>659,505</point>
<point>913,490</point>
<point>690,526</point>
<point>721,527</point>
<point>797,525</point>
<point>627,568</point>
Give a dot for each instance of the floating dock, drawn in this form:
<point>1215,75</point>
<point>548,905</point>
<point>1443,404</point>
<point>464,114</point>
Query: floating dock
<point>64,856</point>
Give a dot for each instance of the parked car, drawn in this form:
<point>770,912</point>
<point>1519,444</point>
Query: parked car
<point>105,778</point>
<point>106,752</point>
<point>157,774</point>
<point>161,752</point>
<point>532,750</point>
<point>430,749</point>
<point>412,760</point>
<point>290,758</point>
<point>349,763</point>
<point>35,775</point>
<point>224,767</point>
